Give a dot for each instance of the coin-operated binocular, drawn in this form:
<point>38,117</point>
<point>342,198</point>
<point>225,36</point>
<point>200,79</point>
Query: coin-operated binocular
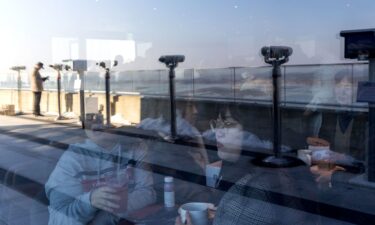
<point>18,68</point>
<point>107,89</point>
<point>172,61</point>
<point>80,66</point>
<point>276,56</point>
<point>19,86</point>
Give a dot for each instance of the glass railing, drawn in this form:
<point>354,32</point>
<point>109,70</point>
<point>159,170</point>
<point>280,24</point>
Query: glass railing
<point>307,85</point>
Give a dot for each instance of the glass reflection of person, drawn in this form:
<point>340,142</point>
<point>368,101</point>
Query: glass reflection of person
<point>187,115</point>
<point>248,201</point>
<point>343,131</point>
<point>229,137</point>
<point>77,188</point>
<point>192,149</point>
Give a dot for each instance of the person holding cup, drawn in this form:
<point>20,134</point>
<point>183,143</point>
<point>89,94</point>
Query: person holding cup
<point>100,180</point>
<point>243,181</point>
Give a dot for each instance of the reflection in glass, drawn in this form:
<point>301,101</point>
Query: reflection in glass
<point>211,83</point>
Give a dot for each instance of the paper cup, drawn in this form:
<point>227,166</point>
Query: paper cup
<point>305,156</point>
<point>198,212</point>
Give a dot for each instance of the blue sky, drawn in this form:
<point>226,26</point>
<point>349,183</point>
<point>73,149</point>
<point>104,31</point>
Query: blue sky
<point>211,33</point>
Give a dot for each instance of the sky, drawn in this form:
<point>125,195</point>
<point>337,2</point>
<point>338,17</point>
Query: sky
<point>210,33</point>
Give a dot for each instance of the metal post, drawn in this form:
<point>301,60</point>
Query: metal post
<point>276,74</point>
<point>172,101</point>
<point>276,56</point>
<point>19,87</point>
<point>82,97</point>
<point>371,129</point>
<point>107,96</point>
<point>171,61</point>
<point>59,94</point>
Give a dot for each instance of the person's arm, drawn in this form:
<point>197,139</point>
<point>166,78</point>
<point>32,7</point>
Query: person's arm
<point>64,191</point>
<point>143,193</point>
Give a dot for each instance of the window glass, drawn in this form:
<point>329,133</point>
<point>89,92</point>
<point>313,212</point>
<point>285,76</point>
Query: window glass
<point>137,112</point>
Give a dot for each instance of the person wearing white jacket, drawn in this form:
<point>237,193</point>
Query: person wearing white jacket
<point>74,191</point>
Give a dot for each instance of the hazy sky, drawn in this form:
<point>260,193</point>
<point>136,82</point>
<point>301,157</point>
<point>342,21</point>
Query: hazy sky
<point>211,33</point>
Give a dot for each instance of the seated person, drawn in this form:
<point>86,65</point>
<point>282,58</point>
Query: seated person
<point>344,130</point>
<point>252,199</point>
<point>231,138</point>
<point>229,135</point>
<point>78,189</point>
<point>325,162</point>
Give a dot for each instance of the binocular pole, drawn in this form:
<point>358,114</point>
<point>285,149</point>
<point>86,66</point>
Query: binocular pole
<point>82,97</point>
<point>107,90</point>
<point>277,160</point>
<point>107,96</point>
<point>59,94</point>
<point>19,92</point>
<point>172,62</point>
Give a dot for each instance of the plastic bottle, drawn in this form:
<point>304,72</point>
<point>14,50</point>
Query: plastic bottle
<point>169,198</point>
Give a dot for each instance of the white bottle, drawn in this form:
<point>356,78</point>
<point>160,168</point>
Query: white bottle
<point>169,200</point>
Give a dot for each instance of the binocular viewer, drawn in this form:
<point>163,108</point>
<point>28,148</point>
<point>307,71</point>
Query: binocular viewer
<point>276,52</point>
<point>60,67</point>
<point>104,65</point>
<point>18,68</point>
<point>172,60</point>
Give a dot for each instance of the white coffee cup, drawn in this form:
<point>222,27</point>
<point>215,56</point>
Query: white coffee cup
<point>305,156</point>
<point>198,212</point>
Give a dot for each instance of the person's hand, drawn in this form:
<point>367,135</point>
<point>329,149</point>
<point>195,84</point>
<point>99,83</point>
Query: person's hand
<point>188,220</point>
<point>324,175</point>
<point>105,198</point>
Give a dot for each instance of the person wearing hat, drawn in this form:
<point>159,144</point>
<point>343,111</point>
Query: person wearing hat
<point>37,87</point>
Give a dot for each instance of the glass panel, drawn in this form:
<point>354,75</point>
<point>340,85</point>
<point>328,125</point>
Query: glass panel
<point>255,84</point>
<point>9,80</point>
<point>122,81</point>
<point>68,80</point>
<point>312,85</point>
<point>214,83</point>
<point>221,150</point>
<point>183,82</point>
<point>146,82</point>
<point>95,80</point>
<point>51,83</point>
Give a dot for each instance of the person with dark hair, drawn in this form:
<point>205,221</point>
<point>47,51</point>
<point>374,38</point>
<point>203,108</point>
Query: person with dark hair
<point>255,195</point>
<point>229,136</point>
<point>37,87</point>
<point>232,138</point>
<point>342,134</point>
<point>345,129</point>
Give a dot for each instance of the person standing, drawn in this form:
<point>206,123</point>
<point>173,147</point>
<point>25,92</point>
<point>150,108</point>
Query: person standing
<point>37,87</point>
